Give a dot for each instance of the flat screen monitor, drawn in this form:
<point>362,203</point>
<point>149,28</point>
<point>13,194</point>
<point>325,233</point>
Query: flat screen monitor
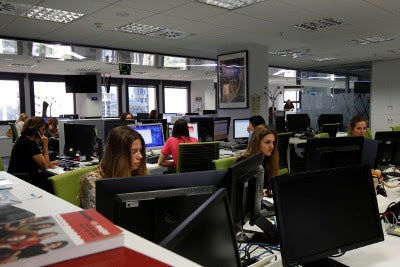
<point>325,212</point>
<point>152,134</point>
<point>388,148</point>
<point>221,128</point>
<point>297,123</point>
<point>168,116</point>
<point>111,124</point>
<point>152,206</point>
<point>240,128</point>
<point>142,115</point>
<point>192,127</point>
<point>79,137</point>
<point>209,111</point>
<point>81,83</point>
<point>332,152</point>
<point>205,126</point>
<point>162,121</point>
<point>207,236</point>
<point>330,118</point>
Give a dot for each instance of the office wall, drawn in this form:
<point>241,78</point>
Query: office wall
<point>385,95</point>
<point>205,90</point>
<point>88,104</point>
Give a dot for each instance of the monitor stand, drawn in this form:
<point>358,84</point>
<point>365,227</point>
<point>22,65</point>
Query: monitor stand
<point>270,234</point>
<point>325,262</point>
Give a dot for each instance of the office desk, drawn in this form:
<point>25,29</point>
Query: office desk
<point>43,203</point>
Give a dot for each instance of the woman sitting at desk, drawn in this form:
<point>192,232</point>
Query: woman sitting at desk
<point>27,158</point>
<point>124,156</point>
<point>52,130</point>
<point>180,134</point>
<point>357,126</point>
<point>264,140</point>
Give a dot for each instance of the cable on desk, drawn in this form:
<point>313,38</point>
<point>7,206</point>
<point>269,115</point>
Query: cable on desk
<point>250,248</point>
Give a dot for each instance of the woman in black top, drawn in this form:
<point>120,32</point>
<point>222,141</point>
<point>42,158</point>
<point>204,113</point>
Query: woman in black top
<point>27,157</point>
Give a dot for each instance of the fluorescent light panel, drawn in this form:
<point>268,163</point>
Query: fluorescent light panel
<point>138,28</point>
<point>230,4</point>
<point>371,40</point>
<point>49,14</point>
<point>319,24</point>
<point>324,59</point>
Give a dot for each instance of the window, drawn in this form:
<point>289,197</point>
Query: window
<point>294,96</point>
<point>176,97</point>
<point>53,93</point>
<point>10,102</point>
<point>110,107</point>
<point>141,98</point>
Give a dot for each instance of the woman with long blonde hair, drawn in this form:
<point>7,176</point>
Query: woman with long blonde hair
<point>124,156</point>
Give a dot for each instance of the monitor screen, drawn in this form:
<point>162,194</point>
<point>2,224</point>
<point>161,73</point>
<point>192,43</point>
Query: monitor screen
<point>297,123</point>
<point>240,128</point>
<point>192,127</point>
<point>164,124</point>
<point>81,83</point>
<point>168,116</point>
<point>152,134</point>
<point>79,137</point>
<point>142,115</point>
<point>209,111</point>
<point>388,148</point>
<point>326,212</point>
<point>207,236</point>
<point>152,206</point>
<point>205,126</point>
<point>111,124</point>
<point>332,152</point>
<point>221,128</point>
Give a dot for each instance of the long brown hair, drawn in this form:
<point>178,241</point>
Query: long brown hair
<point>116,160</point>
<point>271,163</point>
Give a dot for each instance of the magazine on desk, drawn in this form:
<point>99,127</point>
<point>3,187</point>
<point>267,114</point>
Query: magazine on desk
<point>45,240</point>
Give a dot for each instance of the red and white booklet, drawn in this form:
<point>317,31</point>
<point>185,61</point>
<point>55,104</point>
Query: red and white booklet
<point>45,240</point>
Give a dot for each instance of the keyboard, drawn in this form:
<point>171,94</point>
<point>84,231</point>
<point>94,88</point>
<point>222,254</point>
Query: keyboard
<point>152,159</point>
<point>65,163</point>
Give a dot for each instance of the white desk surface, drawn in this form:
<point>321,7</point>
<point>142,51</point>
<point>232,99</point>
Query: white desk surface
<point>43,203</point>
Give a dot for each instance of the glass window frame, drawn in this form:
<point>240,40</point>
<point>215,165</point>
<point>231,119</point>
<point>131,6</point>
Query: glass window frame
<point>20,78</point>
<point>142,82</point>
<point>119,83</point>
<point>183,84</point>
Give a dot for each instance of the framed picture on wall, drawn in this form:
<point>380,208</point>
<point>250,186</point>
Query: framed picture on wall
<point>232,80</point>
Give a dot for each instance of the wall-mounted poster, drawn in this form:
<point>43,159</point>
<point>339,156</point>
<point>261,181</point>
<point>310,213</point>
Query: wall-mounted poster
<point>232,80</point>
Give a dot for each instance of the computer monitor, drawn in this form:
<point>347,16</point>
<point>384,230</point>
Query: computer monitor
<point>388,148</point>
<point>192,113</point>
<point>240,128</point>
<point>297,123</point>
<point>152,134</point>
<point>205,126</point>
<point>162,121</point>
<point>142,115</point>
<point>79,137</point>
<point>207,236</point>
<point>221,128</point>
<point>245,190</point>
<point>153,206</point>
<point>192,127</point>
<point>209,111</point>
<point>168,116</point>
<point>325,212</point>
<point>111,124</point>
<point>330,118</point>
<point>332,152</point>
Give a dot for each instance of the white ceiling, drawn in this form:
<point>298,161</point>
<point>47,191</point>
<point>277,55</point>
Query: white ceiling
<point>212,29</point>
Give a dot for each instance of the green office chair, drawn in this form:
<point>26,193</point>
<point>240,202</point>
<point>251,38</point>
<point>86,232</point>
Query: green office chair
<point>395,128</point>
<point>224,163</point>
<point>330,128</point>
<point>1,164</point>
<point>197,156</point>
<point>321,135</point>
<point>283,145</point>
<point>66,185</point>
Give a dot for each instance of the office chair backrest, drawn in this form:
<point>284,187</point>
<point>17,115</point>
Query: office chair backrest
<point>14,131</point>
<point>283,144</point>
<point>395,128</point>
<point>224,163</point>
<point>321,135</point>
<point>197,156</point>
<point>66,185</point>
<point>1,164</point>
<point>330,128</point>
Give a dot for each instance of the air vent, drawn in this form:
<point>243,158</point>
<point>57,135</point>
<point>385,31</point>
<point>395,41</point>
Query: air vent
<point>89,70</point>
<point>169,34</point>
<point>14,9</point>
<point>22,65</point>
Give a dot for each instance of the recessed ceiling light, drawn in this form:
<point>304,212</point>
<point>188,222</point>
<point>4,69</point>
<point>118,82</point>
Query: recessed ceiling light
<point>324,59</point>
<point>319,24</point>
<point>138,28</point>
<point>288,53</point>
<point>49,14</point>
<point>230,4</point>
<point>370,40</point>
<point>22,65</point>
